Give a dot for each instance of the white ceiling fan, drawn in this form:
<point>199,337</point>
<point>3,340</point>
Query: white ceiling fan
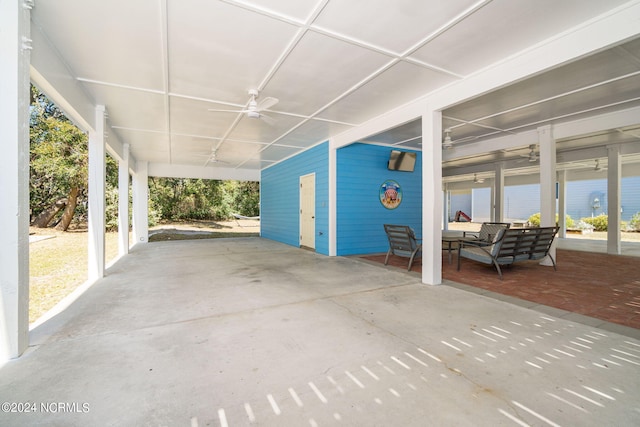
<point>447,143</point>
<point>255,108</point>
<point>532,157</point>
<point>211,157</point>
<point>598,167</point>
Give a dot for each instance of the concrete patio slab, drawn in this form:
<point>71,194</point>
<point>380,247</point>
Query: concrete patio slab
<point>230,332</point>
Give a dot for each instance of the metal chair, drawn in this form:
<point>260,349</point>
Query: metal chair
<point>402,242</point>
<point>486,235</point>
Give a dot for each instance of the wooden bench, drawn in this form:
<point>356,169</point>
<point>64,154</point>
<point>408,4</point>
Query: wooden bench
<point>512,245</point>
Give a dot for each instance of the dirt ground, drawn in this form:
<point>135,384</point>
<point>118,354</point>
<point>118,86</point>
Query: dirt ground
<point>204,230</point>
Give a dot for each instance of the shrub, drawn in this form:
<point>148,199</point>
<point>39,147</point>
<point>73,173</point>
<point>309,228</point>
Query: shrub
<point>634,224</point>
<point>600,222</point>
<point>534,220</point>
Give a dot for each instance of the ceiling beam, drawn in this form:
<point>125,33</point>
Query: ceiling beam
<point>606,30</point>
<point>188,171</point>
<point>52,76</point>
<point>581,127</point>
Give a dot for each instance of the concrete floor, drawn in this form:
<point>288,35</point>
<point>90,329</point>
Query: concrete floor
<point>229,332</point>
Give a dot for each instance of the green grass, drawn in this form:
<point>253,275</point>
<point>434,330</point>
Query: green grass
<point>58,265</point>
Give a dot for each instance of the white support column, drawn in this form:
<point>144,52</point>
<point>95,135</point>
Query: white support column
<point>547,183</point>
<point>140,188</point>
<point>446,206</point>
<point>96,214</point>
<point>333,191</point>
<point>123,202</point>
<point>492,203</point>
<point>498,190</point>
<point>562,203</point>
<point>614,200</point>
<point>15,46</point>
<point>432,197</point>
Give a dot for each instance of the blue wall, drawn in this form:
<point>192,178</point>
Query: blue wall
<point>361,170</point>
<point>280,198</point>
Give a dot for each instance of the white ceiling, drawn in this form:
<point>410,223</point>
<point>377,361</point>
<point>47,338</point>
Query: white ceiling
<point>159,65</point>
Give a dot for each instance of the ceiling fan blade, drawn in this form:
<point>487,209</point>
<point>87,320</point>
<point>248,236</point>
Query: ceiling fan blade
<point>227,111</point>
<point>266,103</point>
<point>268,120</point>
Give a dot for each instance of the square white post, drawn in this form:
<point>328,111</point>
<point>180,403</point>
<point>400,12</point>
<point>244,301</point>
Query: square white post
<point>123,202</point>
<point>446,206</point>
<point>614,203</point>
<point>432,197</point>
<point>562,203</point>
<point>140,188</point>
<point>15,46</point>
<point>333,191</point>
<point>498,190</point>
<point>96,214</point>
<point>547,183</point>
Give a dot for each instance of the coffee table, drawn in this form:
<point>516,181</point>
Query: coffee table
<point>449,237</point>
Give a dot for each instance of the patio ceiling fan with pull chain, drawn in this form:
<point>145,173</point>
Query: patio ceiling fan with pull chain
<point>255,108</point>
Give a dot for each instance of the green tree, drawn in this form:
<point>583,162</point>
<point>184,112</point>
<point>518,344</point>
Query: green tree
<point>246,198</point>
<point>198,199</point>
<point>59,168</point>
<point>58,156</point>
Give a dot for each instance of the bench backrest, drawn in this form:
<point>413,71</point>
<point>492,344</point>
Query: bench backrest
<point>489,230</point>
<point>525,243</point>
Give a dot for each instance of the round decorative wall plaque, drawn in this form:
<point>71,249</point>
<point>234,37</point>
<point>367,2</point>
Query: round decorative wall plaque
<point>390,194</point>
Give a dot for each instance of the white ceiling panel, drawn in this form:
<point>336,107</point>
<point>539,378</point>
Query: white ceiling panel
<point>257,130</point>
<point>219,52</point>
<point>192,117</point>
<point>563,109</point>
<point>150,146</point>
<point>313,132</point>
<point>277,152</point>
<point>503,28</point>
<point>298,10</point>
<point>409,134</point>
<point>359,58</point>
<point>395,28</point>
<point>319,70</point>
<point>131,108</point>
<point>235,153</point>
<point>398,85</point>
<point>590,71</point>
<point>113,41</point>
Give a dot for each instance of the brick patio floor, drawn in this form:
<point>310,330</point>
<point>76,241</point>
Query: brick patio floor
<point>606,287</point>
